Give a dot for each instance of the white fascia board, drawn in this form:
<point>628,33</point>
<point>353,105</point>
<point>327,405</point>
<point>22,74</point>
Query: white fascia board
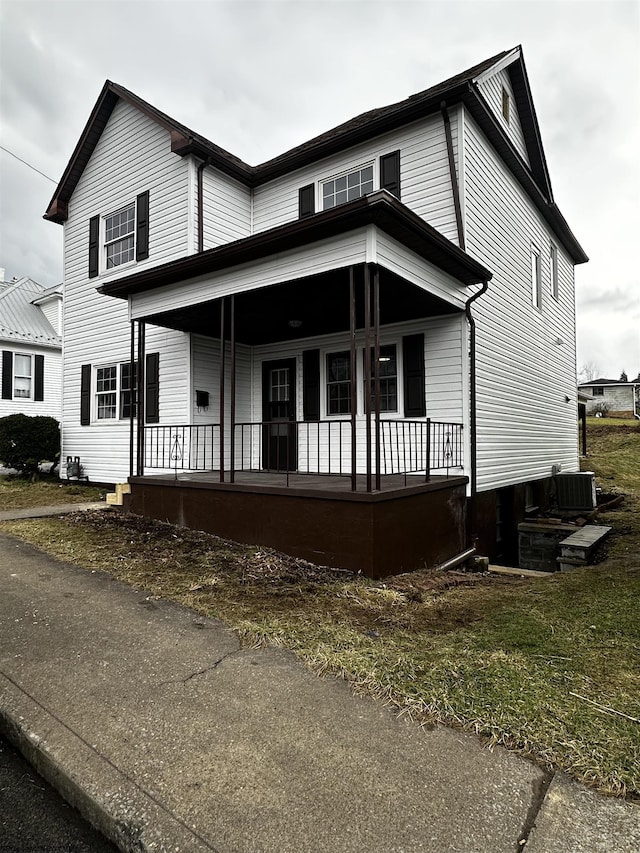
<point>502,63</point>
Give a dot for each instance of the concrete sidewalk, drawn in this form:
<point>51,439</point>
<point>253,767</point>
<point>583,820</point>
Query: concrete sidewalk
<point>170,737</point>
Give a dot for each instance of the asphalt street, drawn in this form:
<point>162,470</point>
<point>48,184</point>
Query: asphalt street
<point>34,818</point>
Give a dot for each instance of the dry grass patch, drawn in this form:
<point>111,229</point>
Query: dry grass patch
<point>23,494</point>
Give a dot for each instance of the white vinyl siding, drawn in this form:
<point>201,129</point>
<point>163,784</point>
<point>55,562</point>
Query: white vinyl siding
<point>525,356</point>
<point>425,183</point>
<point>52,388</point>
<point>133,155</point>
<point>491,89</point>
<point>226,209</point>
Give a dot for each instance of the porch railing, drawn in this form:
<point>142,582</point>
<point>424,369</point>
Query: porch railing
<point>180,447</point>
<point>313,447</point>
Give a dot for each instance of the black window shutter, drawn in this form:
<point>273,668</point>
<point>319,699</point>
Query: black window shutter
<point>311,385</point>
<point>94,245</point>
<point>7,374</point>
<point>306,201</point>
<point>413,367</point>
<point>390,173</point>
<point>152,388</point>
<point>38,383</point>
<point>85,394</point>
<point>142,226</point>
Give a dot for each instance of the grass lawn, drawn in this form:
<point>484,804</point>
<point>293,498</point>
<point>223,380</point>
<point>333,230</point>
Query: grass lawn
<point>22,494</point>
<point>518,661</point>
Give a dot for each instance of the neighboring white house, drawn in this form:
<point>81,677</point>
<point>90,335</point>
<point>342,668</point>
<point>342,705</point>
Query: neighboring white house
<point>31,345</point>
<point>435,214</point>
<point>615,397</point>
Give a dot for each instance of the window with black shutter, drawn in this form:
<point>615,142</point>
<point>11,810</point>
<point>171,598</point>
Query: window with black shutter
<point>121,237</point>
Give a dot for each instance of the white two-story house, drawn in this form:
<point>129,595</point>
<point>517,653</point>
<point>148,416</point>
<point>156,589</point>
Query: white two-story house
<point>337,353</point>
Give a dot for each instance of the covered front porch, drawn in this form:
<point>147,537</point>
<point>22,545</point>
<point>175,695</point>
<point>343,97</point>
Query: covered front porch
<point>338,385</point>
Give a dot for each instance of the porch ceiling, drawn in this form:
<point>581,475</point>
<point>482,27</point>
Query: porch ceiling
<point>320,303</point>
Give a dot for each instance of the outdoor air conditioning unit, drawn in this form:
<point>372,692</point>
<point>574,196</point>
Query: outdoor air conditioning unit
<point>576,492</point>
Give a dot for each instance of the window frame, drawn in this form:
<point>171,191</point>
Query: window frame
<point>383,379</point>
<point>329,383</point>
<point>597,390</point>
<point>360,380</point>
<point>121,392</point>
<point>131,235</point>
<point>16,375</point>
<point>347,173</point>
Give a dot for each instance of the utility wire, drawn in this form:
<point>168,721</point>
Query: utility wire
<point>28,164</point>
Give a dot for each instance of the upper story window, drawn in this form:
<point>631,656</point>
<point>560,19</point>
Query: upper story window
<point>119,236</point>
<point>597,391</point>
<point>347,187</point>
<point>506,105</point>
<point>351,185</point>
<point>553,261</point>
<point>536,278</point>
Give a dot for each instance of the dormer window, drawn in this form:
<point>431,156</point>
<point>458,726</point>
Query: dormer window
<point>506,105</point>
<point>347,187</point>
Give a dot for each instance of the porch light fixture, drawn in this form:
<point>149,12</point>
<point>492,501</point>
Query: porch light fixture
<point>295,324</point>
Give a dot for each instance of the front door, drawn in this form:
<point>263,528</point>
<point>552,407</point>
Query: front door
<point>279,434</point>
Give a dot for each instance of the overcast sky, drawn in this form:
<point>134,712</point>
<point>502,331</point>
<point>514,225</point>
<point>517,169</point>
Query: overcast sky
<point>258,78</point>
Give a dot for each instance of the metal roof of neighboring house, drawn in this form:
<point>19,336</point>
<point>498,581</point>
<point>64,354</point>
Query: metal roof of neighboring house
<point>21,319</point>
